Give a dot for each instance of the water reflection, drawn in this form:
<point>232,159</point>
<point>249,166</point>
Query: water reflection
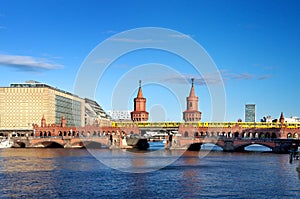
<point>298,170</point>
<point>136,162</point>
<point>14,160</point>
<point>75,173</point>
<point>191,175</point>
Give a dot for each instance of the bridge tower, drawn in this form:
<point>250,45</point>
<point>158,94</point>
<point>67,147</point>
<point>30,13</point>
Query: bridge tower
<point>43,122</point>
<point>192,113</point>
<point>281,119</point>
<point>139,113</point>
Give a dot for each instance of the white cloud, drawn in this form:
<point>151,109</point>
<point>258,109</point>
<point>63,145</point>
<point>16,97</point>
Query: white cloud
<point>199,80</point>
<point>264,77</point>
<point>28,62</point>
<point>180,36</point>
<point>214,78</point>
<point>128,40</point>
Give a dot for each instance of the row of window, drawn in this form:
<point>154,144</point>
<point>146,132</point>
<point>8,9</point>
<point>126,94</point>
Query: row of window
<point>68,108</point>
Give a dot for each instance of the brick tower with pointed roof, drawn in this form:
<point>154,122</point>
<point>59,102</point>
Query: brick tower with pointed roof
<point>192,114</point>
<point>281,119</point>
<point>139,113</point>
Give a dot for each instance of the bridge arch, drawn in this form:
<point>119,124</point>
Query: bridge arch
<point>236,134</point>
<point>88,134</point>
<point>21,144</point>
<point>229,134</point>
<point>186,134</point>
<point>198,145</point>
<point>261,135</point>
<point>49,144</point>
<point>243,146</point>
<point>90,144</point>
<point>250,135</point>
<point>295,135</point>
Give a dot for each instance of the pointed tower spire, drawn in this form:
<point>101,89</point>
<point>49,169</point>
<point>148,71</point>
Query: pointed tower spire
<point>43,121</point>
<point>192,113</point>
<point>192,92</point>
<point>281,119</point>
<point>140,92</point>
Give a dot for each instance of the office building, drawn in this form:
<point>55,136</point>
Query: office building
<point>250,113</point>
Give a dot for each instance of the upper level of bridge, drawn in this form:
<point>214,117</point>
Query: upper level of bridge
<point>295,125</point>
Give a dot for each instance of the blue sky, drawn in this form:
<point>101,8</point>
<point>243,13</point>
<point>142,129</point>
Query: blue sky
<point>254,44</point>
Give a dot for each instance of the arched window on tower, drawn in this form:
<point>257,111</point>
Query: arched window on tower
<point>191,104</point>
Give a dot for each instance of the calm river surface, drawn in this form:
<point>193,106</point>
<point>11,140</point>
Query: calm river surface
<point>75,173</point>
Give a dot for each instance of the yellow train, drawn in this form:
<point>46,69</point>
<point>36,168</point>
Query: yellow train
<point>209,124</point>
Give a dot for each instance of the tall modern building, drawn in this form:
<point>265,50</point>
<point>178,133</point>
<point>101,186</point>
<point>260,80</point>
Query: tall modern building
<point>24,104</point>
<point>95,115</point>
<point>192,113</point>
<point>250,113</point>
<point>139,113</point>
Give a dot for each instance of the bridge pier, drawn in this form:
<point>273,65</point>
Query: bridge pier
<point>283,146</point>
<point>228,146</point>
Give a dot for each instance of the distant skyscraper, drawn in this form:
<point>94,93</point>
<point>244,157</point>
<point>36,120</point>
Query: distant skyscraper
<point>250,113</point>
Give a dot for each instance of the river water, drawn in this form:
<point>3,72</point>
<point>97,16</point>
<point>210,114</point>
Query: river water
<point>81,173</point>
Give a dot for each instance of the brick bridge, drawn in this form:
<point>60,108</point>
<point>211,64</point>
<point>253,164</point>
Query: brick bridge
<point>229,136</point>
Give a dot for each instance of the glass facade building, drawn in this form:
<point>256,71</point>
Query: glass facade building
<point>250,114</point>
<point>70,109</point>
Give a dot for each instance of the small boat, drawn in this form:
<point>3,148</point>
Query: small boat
<point>6,143</point>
